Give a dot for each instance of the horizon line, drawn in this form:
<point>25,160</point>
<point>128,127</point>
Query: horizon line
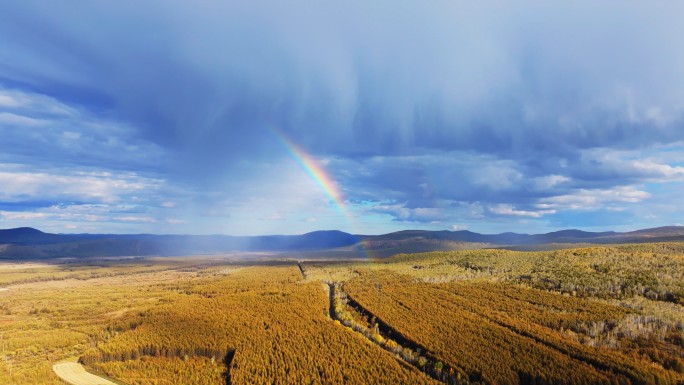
<point>340,231</point>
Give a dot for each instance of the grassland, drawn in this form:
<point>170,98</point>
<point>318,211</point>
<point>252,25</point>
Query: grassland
<point>610,315</point>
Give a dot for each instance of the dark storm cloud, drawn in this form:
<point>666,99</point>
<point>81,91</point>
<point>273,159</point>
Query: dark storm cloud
<point>492,109</point>
<point>381,78</point>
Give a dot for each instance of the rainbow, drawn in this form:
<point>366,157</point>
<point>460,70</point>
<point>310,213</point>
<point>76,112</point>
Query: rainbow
<point>315,171</point>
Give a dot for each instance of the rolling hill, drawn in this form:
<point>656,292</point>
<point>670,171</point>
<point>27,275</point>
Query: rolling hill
<point>26,242</point>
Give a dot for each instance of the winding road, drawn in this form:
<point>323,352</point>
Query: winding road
<point>75,374</point>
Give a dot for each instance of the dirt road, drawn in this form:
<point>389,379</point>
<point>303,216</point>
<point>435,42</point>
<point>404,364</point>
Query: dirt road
<point>76,374</point>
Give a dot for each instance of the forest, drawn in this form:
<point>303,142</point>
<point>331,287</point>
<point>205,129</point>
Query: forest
<point>596,315</point>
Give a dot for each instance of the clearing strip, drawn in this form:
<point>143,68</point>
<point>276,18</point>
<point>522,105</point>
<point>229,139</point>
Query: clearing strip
<point>75,374</point>
<point>380,333</point>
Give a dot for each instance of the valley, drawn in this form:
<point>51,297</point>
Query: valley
<point>573,316</point>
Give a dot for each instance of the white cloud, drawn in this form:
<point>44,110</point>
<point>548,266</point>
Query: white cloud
<point>631,165</point>
<point>549,181</point>
<point>72,213</point>
<point>137,219</point>
<point>402,213</point>
<point>506,209</point>
<point>655,171</point>
<point>22,216</point>
<point>20,184</point>
<point>35,103</point>
<point>495,175</point>
<point>475,210</point>
<point>584,199</point>
<point>20,120</point>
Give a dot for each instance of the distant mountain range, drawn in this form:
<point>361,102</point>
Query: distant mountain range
<point>26,242</point>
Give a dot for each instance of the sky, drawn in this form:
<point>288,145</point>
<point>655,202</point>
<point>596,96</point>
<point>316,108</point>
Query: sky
<point>272,117</point>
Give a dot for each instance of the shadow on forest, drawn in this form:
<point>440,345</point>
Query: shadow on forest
<point>227,360</point>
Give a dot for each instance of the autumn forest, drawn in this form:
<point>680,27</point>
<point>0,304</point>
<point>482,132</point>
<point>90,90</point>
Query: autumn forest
<point>598,315</point>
